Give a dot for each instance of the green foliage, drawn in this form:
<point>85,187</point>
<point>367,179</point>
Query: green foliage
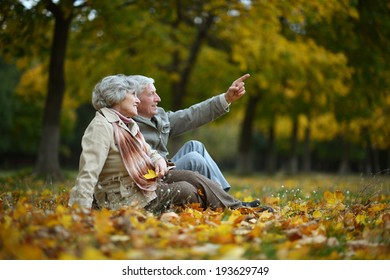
<point>364,39</point>
<point>324,63</point>
<point>10,77</point>
<point>25,32</point>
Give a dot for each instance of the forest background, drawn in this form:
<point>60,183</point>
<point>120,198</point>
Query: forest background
<point>318,98</point>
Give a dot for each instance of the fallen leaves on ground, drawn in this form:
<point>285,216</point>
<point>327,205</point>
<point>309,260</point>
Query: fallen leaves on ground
<point>335,221</point>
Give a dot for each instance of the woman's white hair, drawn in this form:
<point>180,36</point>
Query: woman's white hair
<point>142,82</point>
<point>111,90</point>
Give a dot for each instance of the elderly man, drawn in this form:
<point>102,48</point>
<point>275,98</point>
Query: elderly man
<point>158,126</point>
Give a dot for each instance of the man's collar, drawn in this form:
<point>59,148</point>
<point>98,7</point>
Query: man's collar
<point>154,121</point>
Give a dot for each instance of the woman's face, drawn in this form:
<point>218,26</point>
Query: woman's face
<point>128,106</point>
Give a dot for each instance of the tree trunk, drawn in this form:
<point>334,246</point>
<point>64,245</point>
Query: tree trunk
<point>271,150</point>
<point>293,164</point>
<point>387,170</point>
<point>375,159</point>
<point>48,164</point>
<point>179,88</point>
<point>344,167</point>
<point>368,167</point>
<point>370,160</point>
<point>244,161</point>
<point>184,69</point>
<point>307,149</point>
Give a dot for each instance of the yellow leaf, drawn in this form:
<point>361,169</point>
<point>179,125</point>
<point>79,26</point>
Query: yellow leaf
<point>334,200</point>
<point>170,217</point>
<point>103,224</point>
<point>234,215</point>
<point>222,234</point>
<point>91,253</point>
<point>317,214</point>
<point>29,252</point>
<point>270,200</point>
<point>231,252</point>
<point>339,196</point>
<point>150,175</point>
<point>376,208</point>
<point>265,216</point>
<point>361,219</point>
<point>349,219</point>
<point>329,197</point>
<point>66,220</point>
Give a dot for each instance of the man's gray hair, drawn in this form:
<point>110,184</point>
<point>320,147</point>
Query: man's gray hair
<point>111,90</point>
<point>142,82</point>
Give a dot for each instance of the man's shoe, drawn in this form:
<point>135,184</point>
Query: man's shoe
<point>266,208</point>
<point>256,204</point>
<point>252,204</point>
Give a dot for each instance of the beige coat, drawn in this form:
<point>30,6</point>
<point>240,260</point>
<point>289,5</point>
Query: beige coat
<point>102,173</point>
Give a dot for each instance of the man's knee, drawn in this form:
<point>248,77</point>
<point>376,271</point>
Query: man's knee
<point>195,145</point>
<point>195,161</point>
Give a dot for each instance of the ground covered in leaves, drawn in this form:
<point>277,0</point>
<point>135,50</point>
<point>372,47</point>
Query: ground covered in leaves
<point>316,217</point>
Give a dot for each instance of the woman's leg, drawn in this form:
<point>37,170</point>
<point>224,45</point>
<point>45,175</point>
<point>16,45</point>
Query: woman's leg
<point>176,193</point>
<point>207,190</point>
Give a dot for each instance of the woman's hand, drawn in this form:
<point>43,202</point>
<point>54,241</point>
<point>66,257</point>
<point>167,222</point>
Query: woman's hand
<point>161,167</point>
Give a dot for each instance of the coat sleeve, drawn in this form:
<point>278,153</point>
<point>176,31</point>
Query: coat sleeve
<point>95,148</point>
<point>154,154</point>
<point>197,115</point>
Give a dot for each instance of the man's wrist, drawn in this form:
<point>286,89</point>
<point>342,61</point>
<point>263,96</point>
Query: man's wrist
<point>224,102</point>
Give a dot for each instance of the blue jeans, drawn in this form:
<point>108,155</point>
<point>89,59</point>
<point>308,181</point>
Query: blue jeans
<point>194,156</point>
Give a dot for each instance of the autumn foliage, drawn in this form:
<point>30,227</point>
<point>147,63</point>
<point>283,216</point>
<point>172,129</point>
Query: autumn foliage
<point>316,218</point>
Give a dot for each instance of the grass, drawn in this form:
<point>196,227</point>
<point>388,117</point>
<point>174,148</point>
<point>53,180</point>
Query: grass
<point>318,216</point>
<point>310,186</point>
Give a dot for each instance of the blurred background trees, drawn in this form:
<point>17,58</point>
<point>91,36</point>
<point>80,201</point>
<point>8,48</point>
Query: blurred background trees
<point>318,98</point>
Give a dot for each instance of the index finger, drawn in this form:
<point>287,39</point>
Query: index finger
<point>242,78</point>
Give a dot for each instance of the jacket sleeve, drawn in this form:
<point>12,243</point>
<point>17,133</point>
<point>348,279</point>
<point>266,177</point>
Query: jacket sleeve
<point>95,148</point>
<point>197,115</point>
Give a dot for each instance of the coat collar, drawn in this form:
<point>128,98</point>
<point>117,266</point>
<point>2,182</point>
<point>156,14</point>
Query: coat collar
<point>111,117</point>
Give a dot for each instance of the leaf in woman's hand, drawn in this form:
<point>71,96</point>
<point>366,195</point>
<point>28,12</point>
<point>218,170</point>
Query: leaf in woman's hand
<point>150,175</point>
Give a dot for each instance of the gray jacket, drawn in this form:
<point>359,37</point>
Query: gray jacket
<point>169,124</point>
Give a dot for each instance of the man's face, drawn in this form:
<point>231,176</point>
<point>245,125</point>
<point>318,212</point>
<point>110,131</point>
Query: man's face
<point>149,101</point>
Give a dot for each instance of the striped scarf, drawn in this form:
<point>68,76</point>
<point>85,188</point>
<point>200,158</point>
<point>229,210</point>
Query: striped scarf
<point>135,155</point>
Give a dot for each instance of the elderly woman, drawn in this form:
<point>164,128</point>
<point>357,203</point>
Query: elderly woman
<point>118,168</point>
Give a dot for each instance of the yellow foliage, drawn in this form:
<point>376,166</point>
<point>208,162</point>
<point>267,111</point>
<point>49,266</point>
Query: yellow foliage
<point>91,253</point>
<point>29,252</point>
<point>103,226</point>
<point>231,252</point>
<point>33,83</point>
<point>324,127</point>
<point>269,200</point>
<point>11,235</point>
<point>299,228</point>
